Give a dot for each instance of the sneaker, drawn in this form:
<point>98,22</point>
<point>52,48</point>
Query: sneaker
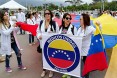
<point>22,67</point>
<point>21,49</point>
<point>43,73</point>
<point>8,69</point>
<point>30,44</point>
<point>51,74</point>
<point>12,52</point>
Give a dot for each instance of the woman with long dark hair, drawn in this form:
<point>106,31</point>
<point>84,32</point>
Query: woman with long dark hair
<point>47,25</point>
<point>8,40</point>
<point>67,28</point>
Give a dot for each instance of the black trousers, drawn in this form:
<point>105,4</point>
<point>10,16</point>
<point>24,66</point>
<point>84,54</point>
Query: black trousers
<point>84,59</point>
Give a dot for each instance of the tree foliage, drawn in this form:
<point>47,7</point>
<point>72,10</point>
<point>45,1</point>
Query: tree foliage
<point>95,1</point>
<point>92,6</point>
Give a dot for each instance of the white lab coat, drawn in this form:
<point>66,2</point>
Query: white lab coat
<point>6,38</point>
<point>42,30</point>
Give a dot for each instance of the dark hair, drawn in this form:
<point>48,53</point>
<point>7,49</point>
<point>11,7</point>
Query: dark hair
<point>86,20</point>
<point>19,9</point>
<point>12,12</point>
<point>57,15</point>
<point>33,13</point>
<point>29,15</point>
<point>5,9</point>
<point>51,14</point>
<point>64,16</point>
<point>2,12</point>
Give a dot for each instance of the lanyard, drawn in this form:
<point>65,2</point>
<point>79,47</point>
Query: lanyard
<point>6,27</point>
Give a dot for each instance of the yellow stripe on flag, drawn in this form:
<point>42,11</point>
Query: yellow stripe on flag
<point>61,44</point>
<point>109,24</point>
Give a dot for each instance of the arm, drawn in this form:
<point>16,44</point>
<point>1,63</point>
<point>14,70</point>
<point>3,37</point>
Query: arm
<point>16,29</point>
<point>99,25</point>
<point>8,31</point>
<point>38,33</point>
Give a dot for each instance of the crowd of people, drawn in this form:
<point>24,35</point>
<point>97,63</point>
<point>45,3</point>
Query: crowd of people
<point>57,23</point>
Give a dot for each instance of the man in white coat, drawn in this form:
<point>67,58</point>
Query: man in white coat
<point>21,18</point>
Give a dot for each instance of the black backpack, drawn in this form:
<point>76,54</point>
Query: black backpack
<point>53,24</point>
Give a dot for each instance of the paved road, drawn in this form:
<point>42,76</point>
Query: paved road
<point>32,60</point>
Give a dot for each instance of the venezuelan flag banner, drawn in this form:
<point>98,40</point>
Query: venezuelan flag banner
<point>109,29</point>
<point>96,58</point>
<point>61,53</point>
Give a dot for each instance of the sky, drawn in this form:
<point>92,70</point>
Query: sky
<point>40,2</point>
<point>88,1</point>
<point>85,1</point>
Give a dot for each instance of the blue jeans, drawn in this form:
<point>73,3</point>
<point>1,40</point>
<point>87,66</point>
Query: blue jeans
<point>18,55</point>
<point>31,38</point>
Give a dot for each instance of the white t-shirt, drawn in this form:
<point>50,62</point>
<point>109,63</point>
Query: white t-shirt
<point>21,17</point>
<point>13,18</point>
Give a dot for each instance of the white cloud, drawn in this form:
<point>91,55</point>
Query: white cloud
<point>87,1</point>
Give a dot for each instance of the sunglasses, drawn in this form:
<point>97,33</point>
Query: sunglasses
<point>67,18</point>
<point>47,13</point>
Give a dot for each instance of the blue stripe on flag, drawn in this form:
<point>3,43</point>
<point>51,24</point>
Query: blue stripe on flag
<point>96,44</point>
<point>61,54</point>
<point>110,41</point>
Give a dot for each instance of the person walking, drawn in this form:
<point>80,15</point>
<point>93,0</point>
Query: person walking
<point>8,40</point>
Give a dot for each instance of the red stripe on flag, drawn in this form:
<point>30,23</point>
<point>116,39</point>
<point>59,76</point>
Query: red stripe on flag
<point>95,62</point>
<point>61,63</point>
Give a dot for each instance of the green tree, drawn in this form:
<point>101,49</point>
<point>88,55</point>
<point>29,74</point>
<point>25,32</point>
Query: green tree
<point>95,1</point>
<point>112,5</point>
<point>39,8</point>
<point>52,6</point>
